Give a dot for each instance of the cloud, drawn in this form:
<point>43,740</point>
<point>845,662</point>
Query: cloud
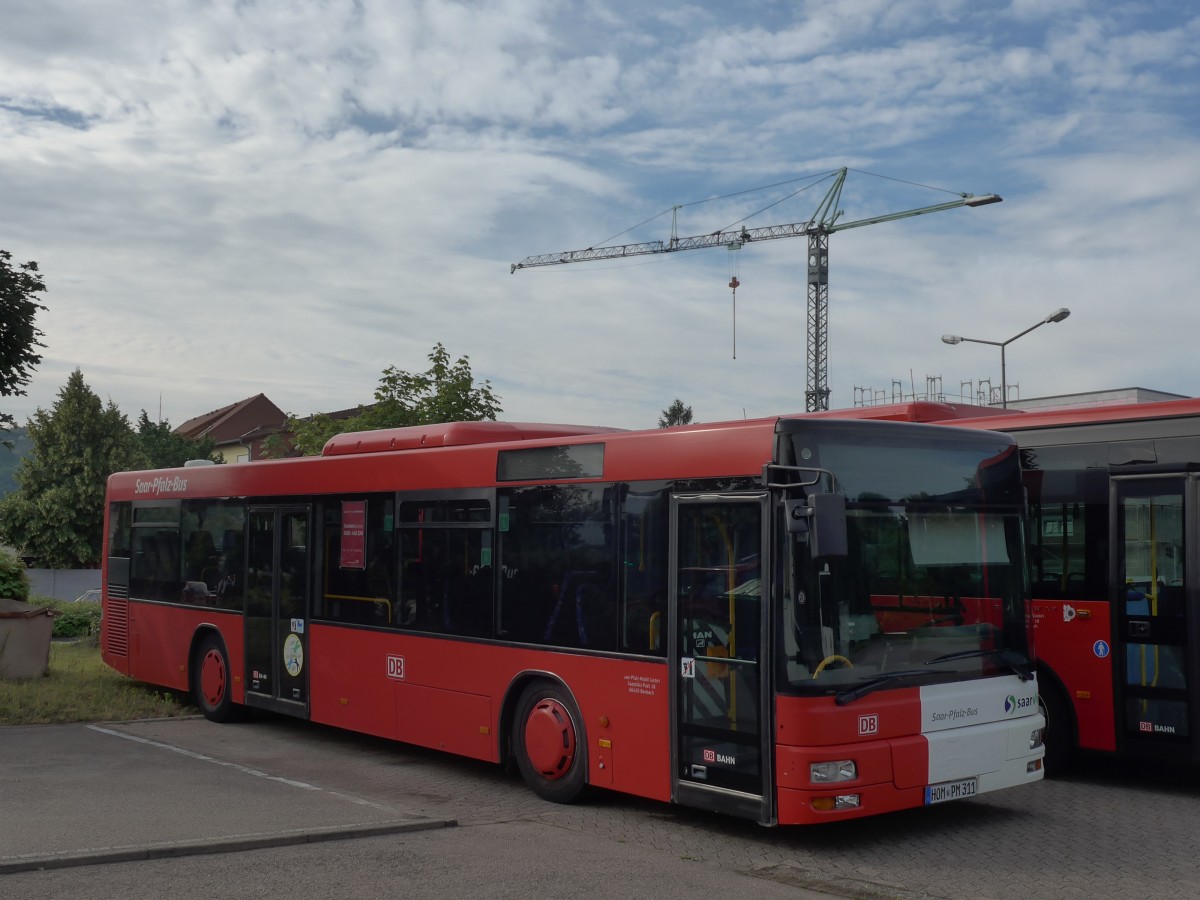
<point>243,197</point>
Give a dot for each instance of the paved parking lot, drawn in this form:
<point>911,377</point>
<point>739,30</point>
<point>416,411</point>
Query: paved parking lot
<point>447,827</point>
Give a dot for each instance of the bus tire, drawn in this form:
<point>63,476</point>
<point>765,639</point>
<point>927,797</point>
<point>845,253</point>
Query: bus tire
<point>549,744</point>
<point>1059,736</point>
<point>212,680</point>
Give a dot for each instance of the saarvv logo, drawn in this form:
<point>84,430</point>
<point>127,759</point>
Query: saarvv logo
<point>1013,703</point>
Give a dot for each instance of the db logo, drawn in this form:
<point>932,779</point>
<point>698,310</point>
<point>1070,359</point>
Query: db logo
<point>710,756</point>
<point>395,667</point>
<point>1146,726</point>
<point>868,724</point>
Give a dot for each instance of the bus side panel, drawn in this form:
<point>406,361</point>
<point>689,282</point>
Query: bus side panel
<point>160,638</point>
<point>1073,639</point>
<point>345,687</point>
<point>449,695</point>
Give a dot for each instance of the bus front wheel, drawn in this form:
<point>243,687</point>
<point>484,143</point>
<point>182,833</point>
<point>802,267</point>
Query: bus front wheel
<point>212,682</point>
<point>549,743</point>
<point>1059,735</point>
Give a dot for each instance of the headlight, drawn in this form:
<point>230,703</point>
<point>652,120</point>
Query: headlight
<point>833,771</point>
<point>1037,737</point>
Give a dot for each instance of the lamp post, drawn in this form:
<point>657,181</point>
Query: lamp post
<point>1057,316</point>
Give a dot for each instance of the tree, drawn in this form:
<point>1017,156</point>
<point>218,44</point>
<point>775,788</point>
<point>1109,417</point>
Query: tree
<point>57,515</point>
<point>18,448</point>
<point>675,414</point>
<point>164,449</point>
<point>445,392</point>
<point>18,335</point>
<point>14,580</point>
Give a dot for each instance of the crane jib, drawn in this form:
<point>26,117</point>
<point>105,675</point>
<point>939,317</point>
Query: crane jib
<point>823,223</point>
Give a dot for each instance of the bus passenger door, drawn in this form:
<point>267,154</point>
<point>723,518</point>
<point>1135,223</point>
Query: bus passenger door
<point>719,688</point>
<point>277,569</point>
<point>1155,620</point>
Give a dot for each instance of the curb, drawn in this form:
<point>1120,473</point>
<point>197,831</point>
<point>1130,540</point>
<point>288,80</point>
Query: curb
<point>235,844</point>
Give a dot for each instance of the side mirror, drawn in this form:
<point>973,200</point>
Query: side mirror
<point>828,527</point>
<point>822,520</point>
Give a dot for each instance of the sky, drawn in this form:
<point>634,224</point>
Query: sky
<point>234,197</point>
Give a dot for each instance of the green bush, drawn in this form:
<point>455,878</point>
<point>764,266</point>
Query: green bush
<point>14,581</point>
<point>72,620</point>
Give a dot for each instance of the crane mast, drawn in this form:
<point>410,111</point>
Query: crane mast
<point>817,229</point>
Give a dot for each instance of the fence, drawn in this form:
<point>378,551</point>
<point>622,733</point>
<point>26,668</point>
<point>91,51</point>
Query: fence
<point>62,584</point>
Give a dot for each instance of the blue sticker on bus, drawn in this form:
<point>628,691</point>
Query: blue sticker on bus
<point>1100,648</point>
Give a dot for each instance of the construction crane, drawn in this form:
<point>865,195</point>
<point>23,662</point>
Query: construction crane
<point>817,229</point>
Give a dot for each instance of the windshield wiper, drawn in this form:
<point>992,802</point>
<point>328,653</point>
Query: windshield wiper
<point>1014,662</point>
<point>851,694</point>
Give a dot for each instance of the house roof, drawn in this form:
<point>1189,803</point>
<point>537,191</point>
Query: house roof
<point>237,422</point>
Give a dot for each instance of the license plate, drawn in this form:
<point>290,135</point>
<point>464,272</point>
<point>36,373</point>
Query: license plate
<point>951,790</point>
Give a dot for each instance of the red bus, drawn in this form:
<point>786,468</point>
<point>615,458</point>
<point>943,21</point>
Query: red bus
<point>1115,558</point>
<point>792,620</point>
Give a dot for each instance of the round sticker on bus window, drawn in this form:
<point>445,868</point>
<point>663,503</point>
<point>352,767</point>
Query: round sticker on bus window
<point>293,655</point>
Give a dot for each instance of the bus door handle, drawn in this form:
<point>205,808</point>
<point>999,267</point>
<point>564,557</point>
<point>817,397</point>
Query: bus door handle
<point>1139,629</point>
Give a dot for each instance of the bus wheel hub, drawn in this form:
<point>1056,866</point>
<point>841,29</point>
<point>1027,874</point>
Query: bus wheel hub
<point>212,677</point>
<point>550,739</point>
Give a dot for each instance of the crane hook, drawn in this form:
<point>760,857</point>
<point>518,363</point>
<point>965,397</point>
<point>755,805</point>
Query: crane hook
<point>734,264</point>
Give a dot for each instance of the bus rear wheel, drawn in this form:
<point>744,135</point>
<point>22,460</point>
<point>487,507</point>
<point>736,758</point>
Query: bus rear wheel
<point>549,744</point>
<point>212,683</point>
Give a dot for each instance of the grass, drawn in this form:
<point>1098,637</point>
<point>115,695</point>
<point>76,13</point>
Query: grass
<point>81,688</point>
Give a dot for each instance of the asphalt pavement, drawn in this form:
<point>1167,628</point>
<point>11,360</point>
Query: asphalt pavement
<point>274,806</point>
<point>81,794</point>
<point>185,808</point>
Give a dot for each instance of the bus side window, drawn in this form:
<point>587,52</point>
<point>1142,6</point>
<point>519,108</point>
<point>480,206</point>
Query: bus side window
<point>413,594</point>
<point>562,540</point>
<point>468,606</point>
<point>644,567</point>
<point>358,559</point>
<point>155,564</point>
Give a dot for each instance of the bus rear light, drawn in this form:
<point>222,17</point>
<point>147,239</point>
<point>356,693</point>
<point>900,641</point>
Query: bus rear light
<point>833,771</point>
<point>833,804</point>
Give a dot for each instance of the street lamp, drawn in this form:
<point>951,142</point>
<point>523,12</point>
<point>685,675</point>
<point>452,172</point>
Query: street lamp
<point>1057,316</point>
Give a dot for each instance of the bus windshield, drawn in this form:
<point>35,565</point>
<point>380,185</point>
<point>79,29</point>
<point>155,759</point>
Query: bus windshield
<point>933,585</point>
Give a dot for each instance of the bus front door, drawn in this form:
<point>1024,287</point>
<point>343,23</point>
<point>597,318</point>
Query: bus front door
<point>720,735</point>
<point>1155,615</point>
<point>276,600</point>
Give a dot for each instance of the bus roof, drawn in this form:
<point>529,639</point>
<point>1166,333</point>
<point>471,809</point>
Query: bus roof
<point>451,434</point>
<point>918,411</point>
<point>1024,420</point>
<point>465,454</point>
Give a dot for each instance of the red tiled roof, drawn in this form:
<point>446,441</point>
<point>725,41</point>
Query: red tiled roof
<point>233,423</point>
